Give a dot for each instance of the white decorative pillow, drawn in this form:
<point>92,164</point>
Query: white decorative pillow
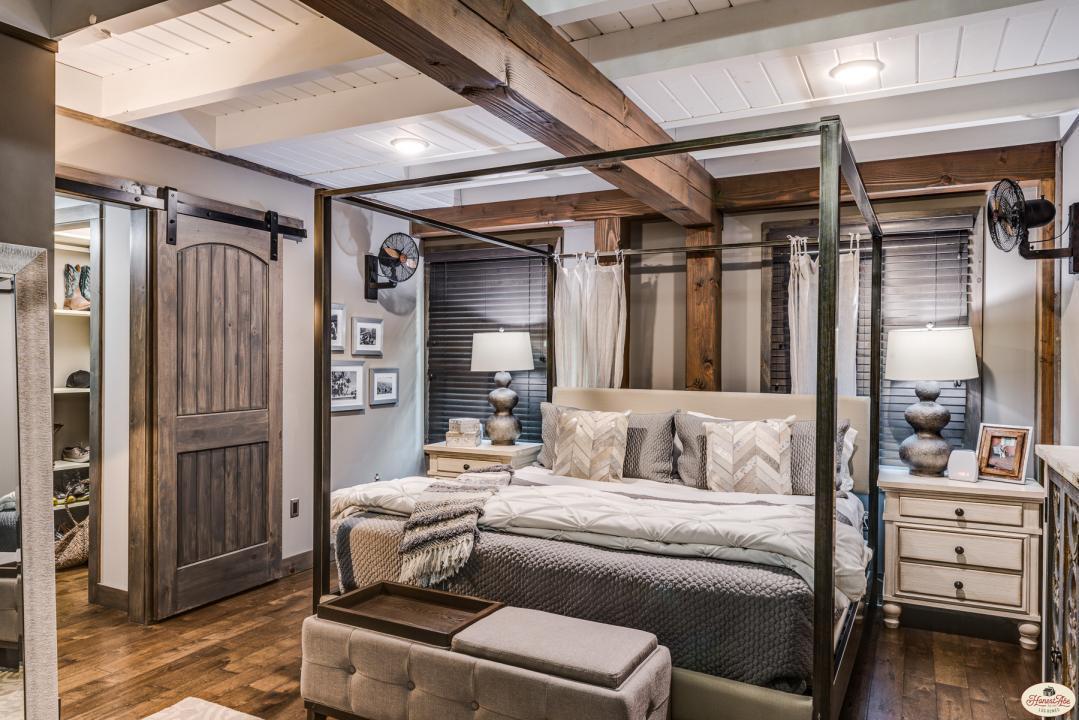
<point>750,456</point>
<point>591,445</point>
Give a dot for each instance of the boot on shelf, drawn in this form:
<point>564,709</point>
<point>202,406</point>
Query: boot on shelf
<point>84,282</point>
<point>73,297</point>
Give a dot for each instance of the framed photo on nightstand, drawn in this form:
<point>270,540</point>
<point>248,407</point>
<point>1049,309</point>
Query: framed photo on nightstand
<point>1003,451</point>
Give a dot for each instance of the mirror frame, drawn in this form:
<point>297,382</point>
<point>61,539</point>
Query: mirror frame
<point>33,318</point>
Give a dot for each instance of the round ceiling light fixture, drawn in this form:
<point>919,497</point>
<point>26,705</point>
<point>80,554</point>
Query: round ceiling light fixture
<point>855,71</point>
<point>409,145</point>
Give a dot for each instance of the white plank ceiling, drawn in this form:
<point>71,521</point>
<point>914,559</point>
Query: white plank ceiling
<point>1027,39</point>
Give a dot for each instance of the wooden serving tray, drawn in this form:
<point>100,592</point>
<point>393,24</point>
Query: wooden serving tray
<point>405,611</point>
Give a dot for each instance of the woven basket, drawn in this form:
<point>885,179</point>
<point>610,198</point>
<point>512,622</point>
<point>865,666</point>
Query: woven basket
<point>73,549</point>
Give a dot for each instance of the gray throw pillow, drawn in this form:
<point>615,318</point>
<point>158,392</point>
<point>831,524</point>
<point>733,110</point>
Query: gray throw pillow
<point>649,443</point>
<point>650,447</point>
<point>693,459</point>
<point>804,455</point>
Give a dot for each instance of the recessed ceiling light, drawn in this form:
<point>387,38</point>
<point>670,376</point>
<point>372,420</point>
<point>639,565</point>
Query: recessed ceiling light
<point>409,145</point>
<point>856,71</point>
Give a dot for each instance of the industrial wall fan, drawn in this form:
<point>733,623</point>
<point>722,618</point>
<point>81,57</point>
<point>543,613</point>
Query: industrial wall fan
<point>396,262</point>
<point>1011,217</point>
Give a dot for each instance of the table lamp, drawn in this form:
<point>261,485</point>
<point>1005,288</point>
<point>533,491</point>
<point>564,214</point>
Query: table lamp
<point>915,354</point>
<point>501,353</point>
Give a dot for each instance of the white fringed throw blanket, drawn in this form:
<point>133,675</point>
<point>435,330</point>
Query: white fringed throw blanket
<point>440,532</point>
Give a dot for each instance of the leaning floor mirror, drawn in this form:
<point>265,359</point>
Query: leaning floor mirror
<point>27,600</point>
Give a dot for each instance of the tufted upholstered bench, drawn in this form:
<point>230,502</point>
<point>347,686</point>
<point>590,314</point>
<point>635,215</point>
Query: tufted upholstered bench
<point>514,664</point>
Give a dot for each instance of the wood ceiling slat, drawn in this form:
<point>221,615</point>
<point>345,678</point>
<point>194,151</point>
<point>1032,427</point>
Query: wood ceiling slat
<point>1061,44</point>
<point>753,83</point>
<point>900,58</point>
<point>937,54</point>
<point>1024,37</point>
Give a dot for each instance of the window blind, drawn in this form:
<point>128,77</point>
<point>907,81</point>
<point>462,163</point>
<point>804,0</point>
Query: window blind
<point>925,278</point>
<point>483,295</point>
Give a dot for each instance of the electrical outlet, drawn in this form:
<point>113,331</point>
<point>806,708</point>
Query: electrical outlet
<point>294,507</point>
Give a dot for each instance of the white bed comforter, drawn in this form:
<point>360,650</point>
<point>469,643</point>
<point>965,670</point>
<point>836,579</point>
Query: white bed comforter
<point>744,530</point>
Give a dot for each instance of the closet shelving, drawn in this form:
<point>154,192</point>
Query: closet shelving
<point>75,234</point>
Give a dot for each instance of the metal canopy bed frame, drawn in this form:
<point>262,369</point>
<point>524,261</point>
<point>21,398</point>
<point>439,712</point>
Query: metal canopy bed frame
<point>832,663</point>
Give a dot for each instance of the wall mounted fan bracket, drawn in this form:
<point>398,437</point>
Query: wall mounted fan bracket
<point>1070,252</point>
<point>372,282</point>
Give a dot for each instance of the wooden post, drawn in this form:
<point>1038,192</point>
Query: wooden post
<point>1047,341</point>
<point>703,300</point>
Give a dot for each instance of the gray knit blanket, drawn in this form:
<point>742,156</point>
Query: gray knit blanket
<point>439,535</point>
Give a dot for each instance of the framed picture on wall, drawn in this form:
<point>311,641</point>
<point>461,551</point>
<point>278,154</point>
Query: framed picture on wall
<point>366,336</point>
<point>346,385</point>
<point>383,384</point>
<point>338,316</point>
<point>1003,451</point>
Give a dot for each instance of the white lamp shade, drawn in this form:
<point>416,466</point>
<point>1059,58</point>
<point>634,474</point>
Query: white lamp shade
<point>497,351</point>
<point>916,354</point>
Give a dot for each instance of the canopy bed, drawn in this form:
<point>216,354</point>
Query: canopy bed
<point>827,564</point>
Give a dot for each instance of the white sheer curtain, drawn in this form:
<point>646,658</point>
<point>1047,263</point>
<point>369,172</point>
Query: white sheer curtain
<point>590,324</point>
<point>802,319</point>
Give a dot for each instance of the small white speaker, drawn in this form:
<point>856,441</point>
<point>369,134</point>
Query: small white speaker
<point>963,465</point>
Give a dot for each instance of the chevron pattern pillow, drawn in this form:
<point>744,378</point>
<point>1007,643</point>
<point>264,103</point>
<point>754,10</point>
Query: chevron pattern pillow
<point>591,445</point>
<point>752,456</point>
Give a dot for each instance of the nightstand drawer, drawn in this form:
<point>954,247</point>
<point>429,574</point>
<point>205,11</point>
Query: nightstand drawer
<point>1005,553</point>
<point>456,465</point>
<point>962,510</point>
<point>963,584</point>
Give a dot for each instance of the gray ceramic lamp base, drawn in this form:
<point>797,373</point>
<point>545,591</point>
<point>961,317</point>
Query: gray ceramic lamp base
<point>926,452</point>
<point>501,426</point>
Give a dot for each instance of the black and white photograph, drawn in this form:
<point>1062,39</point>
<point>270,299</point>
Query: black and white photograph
<point>346,385</point>
<point>367,336</point>
<point>337,327</point>
<point>384,382</point>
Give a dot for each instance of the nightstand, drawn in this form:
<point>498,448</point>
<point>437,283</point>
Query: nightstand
<point>972,547</point>
<point>450,462</point>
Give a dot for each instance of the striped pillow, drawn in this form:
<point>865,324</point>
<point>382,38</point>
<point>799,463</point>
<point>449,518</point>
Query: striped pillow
<point>591,445</point>
<point>752,456</point>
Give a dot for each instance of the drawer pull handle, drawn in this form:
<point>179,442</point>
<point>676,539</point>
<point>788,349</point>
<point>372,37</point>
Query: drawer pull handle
<point>959,512</point>
<point>958,549</point>
<point>958,584</point>
<point>466,466</point>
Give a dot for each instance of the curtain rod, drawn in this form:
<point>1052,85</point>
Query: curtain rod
<point>682,249</point>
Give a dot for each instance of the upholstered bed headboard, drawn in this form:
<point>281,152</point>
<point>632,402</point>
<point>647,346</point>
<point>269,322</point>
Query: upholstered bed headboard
<point>733,405</point>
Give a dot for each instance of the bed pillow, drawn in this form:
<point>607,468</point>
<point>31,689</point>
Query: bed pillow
<point>692,463</point>
<point>591,445</point>
<point>804,455</point>
<point>846,457</point>
<point>650,447</point>
<point>749,456</point>
<point>649,443</point>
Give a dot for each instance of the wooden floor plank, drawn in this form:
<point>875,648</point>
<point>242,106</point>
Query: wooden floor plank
<point>244,653</point>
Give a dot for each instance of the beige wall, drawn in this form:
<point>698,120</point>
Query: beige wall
<point>383,440</point>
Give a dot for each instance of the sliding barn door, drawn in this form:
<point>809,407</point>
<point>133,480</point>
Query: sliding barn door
<point>217,489</point>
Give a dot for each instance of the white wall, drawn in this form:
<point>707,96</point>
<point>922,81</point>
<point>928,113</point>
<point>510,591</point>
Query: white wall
<point>1069,304</point>
<point>383,440</point>
<point>115,280</point>
<point>657,313</point>
<point>370,446</point>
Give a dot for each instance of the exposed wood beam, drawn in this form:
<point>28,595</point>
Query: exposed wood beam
<point>536,211</point>
<point>703,314</point>
<point>1047,331</point>
<point>505,58</point>
<point>760,27</point>
<point>971,170</point>
<point>287,55</point>
<point>394,100</point>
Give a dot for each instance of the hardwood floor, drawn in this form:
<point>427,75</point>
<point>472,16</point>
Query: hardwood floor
<point>913,674</point>
<point>244,653</point>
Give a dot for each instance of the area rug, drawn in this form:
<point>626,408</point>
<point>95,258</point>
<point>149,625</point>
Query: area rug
<point>195,709</point>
